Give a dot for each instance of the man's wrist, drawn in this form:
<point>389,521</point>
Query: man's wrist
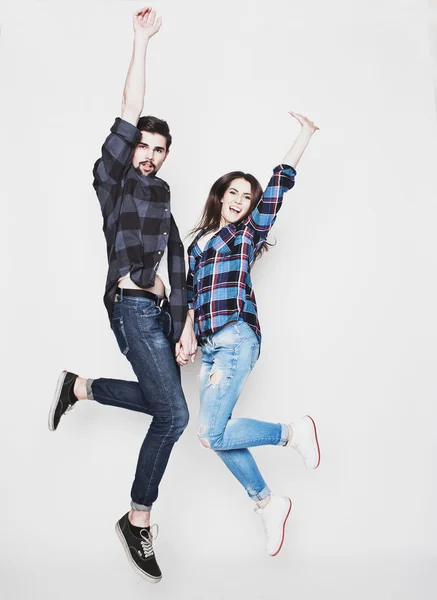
<point>140,40</point>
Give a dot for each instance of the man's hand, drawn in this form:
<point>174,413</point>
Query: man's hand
<point>146,24</point>
<point>186,347</point>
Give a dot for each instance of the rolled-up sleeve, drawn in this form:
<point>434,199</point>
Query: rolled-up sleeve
<point>190,293</point>
<point>263,216</point>
<point>117,152</point>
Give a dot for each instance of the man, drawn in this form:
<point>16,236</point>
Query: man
<point>145,297</point>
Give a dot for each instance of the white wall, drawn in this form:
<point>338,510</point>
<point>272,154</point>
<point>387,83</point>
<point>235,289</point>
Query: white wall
<point>347,297</point>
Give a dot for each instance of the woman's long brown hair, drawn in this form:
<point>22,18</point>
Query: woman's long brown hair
<point>210,219</point>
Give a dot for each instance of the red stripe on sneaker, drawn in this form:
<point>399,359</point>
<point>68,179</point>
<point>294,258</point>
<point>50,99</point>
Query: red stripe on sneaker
<point>283,530</point>
<point>317,440</point>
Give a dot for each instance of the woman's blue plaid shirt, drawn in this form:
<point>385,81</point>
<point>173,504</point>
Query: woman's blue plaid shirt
<point>219,284</point>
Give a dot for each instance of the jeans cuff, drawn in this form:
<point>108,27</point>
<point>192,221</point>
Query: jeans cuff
<point>136,506</point>
<point>284,435</point>
<point>262,494</point>
<point>89,391</point>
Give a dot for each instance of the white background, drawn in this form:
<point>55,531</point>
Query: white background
<point>347,298</point>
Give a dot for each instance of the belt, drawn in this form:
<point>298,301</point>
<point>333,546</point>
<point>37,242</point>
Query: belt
<point>158,300</point>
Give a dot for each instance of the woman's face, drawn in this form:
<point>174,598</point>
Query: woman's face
<point>235,202</point>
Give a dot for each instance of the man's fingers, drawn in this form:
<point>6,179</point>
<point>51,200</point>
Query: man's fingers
<point>151,17</point>
<point>142,11</point>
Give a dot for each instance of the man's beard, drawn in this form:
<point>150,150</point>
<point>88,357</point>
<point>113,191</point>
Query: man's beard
<point>140,171</point>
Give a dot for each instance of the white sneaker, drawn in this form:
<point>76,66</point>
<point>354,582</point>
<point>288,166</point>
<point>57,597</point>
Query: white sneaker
<point>274,517</point>
<point>304,441</point>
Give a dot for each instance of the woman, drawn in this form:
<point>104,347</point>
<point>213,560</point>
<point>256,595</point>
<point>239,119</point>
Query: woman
<point>230,236</point>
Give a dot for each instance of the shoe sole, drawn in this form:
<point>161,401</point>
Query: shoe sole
<point>133,564</point>
<point>283,529</point>
<point>317,442</point>
<point>55,402</point>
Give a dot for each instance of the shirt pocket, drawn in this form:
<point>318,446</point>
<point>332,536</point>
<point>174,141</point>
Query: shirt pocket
<point>237,241</point>
<point>221,246</point>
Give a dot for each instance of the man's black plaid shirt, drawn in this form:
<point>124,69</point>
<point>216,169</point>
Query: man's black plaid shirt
<point>137,222</point>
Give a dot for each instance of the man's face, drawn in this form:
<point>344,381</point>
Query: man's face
<point>150,153</point>
<point>236,201</point>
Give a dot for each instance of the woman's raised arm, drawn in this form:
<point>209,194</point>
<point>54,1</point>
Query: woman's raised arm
<point>294,155</point>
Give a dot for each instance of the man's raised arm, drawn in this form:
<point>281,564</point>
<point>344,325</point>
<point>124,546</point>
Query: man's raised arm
<point>145,26</point>
<point>119,146</point>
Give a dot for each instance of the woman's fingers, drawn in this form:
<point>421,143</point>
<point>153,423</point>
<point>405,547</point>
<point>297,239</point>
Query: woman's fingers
<point>181,359</point>
<point>303,120</point>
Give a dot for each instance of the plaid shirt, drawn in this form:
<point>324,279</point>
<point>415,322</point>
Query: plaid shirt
<point>219,283</point>
<point>137,222</point>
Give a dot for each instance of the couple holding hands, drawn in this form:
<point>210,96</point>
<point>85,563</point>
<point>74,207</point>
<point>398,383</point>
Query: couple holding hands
<point>160,315</point>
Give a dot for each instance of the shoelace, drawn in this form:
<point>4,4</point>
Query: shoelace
<point>146,543</point>
<point>299,451</point>
<point>266,524</point>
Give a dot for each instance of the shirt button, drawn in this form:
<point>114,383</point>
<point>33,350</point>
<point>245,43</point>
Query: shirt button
<point>166,210</point>
<point>160,252</point>
<point>165,233</point>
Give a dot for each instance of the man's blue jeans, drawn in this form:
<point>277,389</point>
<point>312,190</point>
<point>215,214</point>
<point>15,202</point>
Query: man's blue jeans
<point>143,332</point>
<point>228,357</point>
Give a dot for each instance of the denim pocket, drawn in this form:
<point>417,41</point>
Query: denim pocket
<point>150,310</point>
<point>255,355</point>
<point>120,334</point>
<point>244,331</point>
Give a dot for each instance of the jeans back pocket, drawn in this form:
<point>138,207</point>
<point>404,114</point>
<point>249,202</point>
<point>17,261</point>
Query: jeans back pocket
<point>120,334</point>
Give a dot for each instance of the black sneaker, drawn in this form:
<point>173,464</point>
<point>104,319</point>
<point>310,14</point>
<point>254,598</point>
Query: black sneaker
<point>137,543</point>
<point>64,398</point>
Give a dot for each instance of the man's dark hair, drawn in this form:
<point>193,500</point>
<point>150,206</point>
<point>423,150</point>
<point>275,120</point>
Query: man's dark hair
<point>155,125</point>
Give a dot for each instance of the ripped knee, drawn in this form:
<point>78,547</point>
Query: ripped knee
<point>205,443</point>
<point>215,377</point>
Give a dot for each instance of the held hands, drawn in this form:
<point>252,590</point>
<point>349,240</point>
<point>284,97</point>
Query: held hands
<point>305,122</point>
<point>186,348</point>
<point>146,24</point>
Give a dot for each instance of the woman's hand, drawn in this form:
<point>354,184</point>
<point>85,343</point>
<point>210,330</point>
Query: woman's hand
<point>181,359</point>
<point>305,122</point>
<point>294,155</point>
